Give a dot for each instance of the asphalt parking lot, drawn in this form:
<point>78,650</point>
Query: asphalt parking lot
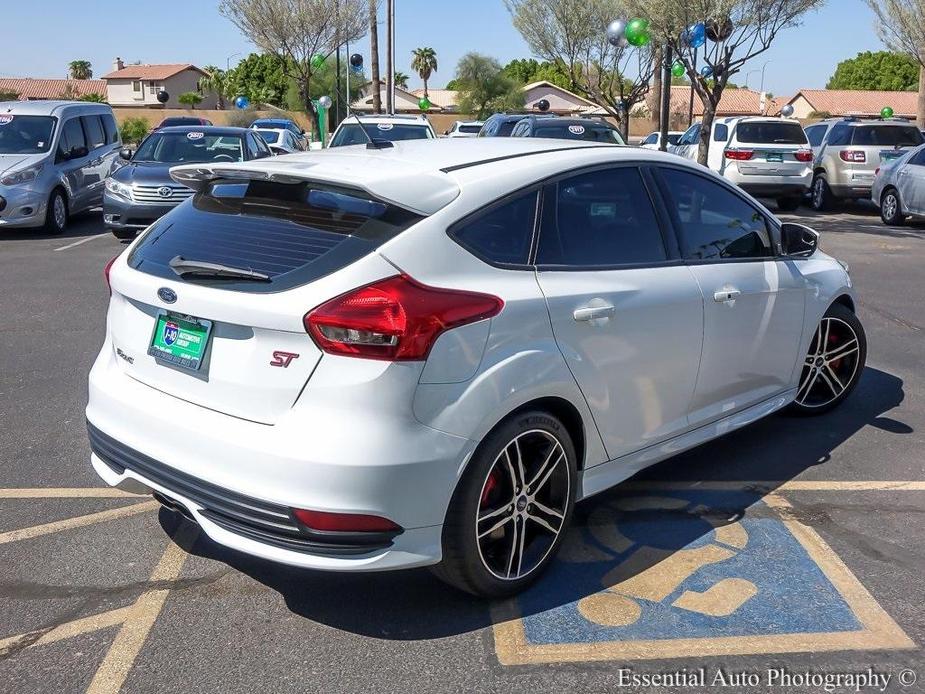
<point>794,548</point>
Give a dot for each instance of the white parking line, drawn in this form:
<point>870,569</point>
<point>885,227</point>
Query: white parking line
<point>83,240</point>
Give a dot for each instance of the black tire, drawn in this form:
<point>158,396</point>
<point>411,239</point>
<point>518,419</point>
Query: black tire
<point>821,197</point>
<point>56,224</point>
<point>464,564</point>
<point>789,204</point>
<point>844,372</point>
<point>124,234</point>
<point>891,211</point>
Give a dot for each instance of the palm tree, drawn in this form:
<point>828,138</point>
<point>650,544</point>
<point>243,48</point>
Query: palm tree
<point>374,53</point>
<point>218,81</point>
<point>401,80</point>
<point>424,62</point>
<point>80,69</point>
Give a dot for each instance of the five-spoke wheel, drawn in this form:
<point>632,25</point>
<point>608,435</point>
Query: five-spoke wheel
<point>833,365</point>
<point>511,508</point>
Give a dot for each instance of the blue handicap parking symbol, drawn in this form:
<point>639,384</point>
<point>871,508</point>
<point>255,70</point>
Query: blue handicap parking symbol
<point>658,574</point>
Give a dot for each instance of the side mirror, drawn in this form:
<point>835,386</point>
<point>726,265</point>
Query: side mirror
<point>77,152</point>
<point>261,154</point>
<point>302,133</point>
<point>126,153</point>
<point>798,240</point>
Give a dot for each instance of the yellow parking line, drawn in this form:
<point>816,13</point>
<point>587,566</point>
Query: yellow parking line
<point>65,493</point>
<point>68,630</point>
<point>135,629</point>
<point>77,522</point>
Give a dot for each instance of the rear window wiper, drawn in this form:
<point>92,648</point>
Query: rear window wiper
<point>200,268</point>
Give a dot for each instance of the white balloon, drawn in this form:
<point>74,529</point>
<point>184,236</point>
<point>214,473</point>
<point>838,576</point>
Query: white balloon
<point>787,110</point>
<point>615,32</point>
<point>325,101</point>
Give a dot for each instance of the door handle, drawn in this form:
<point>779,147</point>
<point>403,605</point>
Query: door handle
<point>724,295</point>
<point>593,312</point>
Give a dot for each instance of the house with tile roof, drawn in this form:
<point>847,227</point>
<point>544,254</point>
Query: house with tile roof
<point>138,85</point>
<point>30,89</point>
<point>561,101</point>
<point>845,102</point>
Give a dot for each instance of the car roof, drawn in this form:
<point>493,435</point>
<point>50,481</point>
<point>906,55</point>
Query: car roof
<point>273,120</point>
<point>470,122</point>
<point>577,121</point>
<point>207,129</point>
<point>420,175</point>
<point>52,108</point>
<point>409,118</point>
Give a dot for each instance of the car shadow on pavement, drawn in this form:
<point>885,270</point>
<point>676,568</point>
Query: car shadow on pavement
<point>413,604</point>
<point>87,223</point>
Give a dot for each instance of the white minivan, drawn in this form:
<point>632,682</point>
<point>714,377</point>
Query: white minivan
<point>767,157</point>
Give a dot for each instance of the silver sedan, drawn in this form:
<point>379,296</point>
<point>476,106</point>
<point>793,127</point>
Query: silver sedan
<point>899,188</point>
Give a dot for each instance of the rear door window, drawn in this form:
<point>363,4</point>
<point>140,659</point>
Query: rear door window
<point>715,223</point>
<point>886,136</point>
<point>599,219</point>
<point>771,133</point>
<point>291,233</point>
<point>93,127</point>
<point>112,130</point>
<point>503,234</point>
<point>72,135</point>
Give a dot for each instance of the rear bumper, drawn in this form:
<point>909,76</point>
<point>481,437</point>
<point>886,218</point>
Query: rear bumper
<point>322,457</point>
<point>851,191</point>
<point>774,190</point>
<point>771,186</point>
<point>119,213</point>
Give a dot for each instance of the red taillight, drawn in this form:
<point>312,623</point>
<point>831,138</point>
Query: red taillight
<point>344,522</point>
<point>106,271</point>
<point>396,319</point>
<point>739,154</point>
<point>853,155</point>
<point>804,155</point>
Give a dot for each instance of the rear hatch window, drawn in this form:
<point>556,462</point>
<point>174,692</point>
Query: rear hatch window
<point>886,136</point>
<point>771,133</point>
<point>261,236</point>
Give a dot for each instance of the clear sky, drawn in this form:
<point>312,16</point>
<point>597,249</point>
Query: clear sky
<point>38,39</point>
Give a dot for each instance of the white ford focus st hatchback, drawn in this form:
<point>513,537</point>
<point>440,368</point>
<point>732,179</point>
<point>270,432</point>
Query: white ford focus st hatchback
<point>425,353</point>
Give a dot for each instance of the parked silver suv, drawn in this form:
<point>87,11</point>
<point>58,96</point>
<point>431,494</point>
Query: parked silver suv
<point>848,151</point>
<point>54,157</point>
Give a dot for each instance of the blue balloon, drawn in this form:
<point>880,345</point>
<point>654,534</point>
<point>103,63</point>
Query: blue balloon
<point>706,72</point>
<point>242,102</point>
<point>695,35</point>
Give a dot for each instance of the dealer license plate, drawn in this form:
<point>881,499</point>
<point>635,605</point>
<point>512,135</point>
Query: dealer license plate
<point>180,340</point>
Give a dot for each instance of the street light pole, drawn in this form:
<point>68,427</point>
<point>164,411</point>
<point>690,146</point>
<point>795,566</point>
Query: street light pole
<point>228,60</point>
<point>762,74</point>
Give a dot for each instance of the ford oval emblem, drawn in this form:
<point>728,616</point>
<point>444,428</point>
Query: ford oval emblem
<point>167,295</point>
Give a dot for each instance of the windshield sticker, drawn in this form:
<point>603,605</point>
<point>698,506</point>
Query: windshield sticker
<point>576,129</point>
<point>5,118</point>
<point>194,136</point>
<point>384,126</point>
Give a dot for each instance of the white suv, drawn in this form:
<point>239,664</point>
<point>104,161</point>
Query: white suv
<point>424,354</point>
<point>768,157</point>
<point>360,130</point>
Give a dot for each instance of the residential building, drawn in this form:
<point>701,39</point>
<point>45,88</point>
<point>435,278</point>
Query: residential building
<point>138,85</point>
<point>845,102</point>
<point>30,89</point>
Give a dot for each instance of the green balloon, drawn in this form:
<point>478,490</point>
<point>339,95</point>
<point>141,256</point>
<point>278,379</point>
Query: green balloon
<point>424,103</point>
<point>886,112</point>
<point>637,32</point>
<point>677,68</point>
<point>318,60</point>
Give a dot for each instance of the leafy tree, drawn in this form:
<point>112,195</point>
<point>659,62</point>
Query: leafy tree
<point>69,93</point>
<point>297,32</point>
<point>401,80</point>
<point>527,70</point>
<point>424,62</point>
<point>134,130</point>
<point>8,95</point>
<point>753,25</point>
<point>256,71</point>
<point>190,99</point>
<point>901,26</point>
<point>573,35</point>
<point>821,115</point>
<point>94,97</point>
<point>80,69</point>
<point>484,87</point>
<point>218,82</point>
<point>880,71</point>
<point>453,85</point>
<point>324,83</point>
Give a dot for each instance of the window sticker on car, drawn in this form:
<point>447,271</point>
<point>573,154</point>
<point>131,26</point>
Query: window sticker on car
<point>5,118</point>
<point>384,126</point>
<point>576,129</point>
<point>195,135</point>
<point>603,209</point>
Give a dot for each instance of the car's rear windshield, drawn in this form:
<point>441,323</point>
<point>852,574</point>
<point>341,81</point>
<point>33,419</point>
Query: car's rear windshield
<point>269,136</point>
<point>351,134</point>
<point>25,134</point>
<point>291,233</point>
<point>673,139</point>
<point>886,136</point>
<point>180,120</point>
<point>192,147</point>
<point>771,133</point>
<point>470,129</point>
<point>577,131</point>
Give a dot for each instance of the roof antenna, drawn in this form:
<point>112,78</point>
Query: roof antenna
<point>370,142</point>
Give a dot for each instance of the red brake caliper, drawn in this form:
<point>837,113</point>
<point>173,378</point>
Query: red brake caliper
<point>489,487</point>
